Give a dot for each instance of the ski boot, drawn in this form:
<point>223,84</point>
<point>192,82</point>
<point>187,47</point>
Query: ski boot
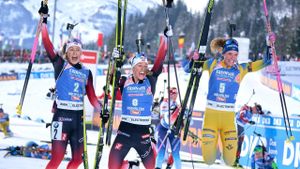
<point>236,162</point>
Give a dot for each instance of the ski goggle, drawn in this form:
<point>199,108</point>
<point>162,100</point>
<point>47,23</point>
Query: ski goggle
<point>230,44</point>
<point>258,149</point>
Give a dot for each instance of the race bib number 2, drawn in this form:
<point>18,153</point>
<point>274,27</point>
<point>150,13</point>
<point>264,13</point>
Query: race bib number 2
<point>56,130</point>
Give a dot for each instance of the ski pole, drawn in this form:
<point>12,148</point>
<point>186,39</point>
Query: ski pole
<point>253,93</point>
<point>278,78</point>
<point>120,30</point>
<point>165,138</point>
<point>85,153</point>
<point>32,58</point>
<point>191,153</point>
<point>163,93</point>
<point>245,131</point>
<point>250,146</point>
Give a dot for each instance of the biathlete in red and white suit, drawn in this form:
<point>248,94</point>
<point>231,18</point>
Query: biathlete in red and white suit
<point>73,82</point>
<point>137,96</point>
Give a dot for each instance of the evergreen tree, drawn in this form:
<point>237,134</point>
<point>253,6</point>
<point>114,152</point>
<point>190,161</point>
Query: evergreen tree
<point>247,15</point>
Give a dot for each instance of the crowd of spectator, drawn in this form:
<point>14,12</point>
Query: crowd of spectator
<point>22,56</point>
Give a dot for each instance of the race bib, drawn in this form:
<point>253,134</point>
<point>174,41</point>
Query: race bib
<point>56,130</point>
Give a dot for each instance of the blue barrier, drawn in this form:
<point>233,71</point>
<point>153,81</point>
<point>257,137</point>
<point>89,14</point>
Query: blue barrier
<point>273,136</point>
<point>36,75</point>
<point>271,129</point>
<point>5,77</point>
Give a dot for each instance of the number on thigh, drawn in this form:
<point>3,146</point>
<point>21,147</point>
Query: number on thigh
<point>56,130</point>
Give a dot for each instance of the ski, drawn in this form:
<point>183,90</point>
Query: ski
<point>196,73</point>
<point>120,29</point>
<point>115,64</point>
<point>100,144</point>
<point>85,153</point>
<point>278,78</point>
<point>32,57</point>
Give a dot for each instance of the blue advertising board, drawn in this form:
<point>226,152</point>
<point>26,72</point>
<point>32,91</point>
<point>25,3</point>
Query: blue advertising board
<point>273,136</point>
<point>271,129</point>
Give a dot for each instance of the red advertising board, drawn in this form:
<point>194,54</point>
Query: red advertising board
<point>89,57</point>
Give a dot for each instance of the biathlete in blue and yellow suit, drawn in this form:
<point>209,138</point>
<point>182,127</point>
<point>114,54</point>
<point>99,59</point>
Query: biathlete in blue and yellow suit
<point>137,96</point>
<point>224,82</point>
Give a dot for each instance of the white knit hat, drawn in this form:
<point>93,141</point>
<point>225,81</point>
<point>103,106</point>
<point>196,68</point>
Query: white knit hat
<point>137,59</point>
<point>74,42</point>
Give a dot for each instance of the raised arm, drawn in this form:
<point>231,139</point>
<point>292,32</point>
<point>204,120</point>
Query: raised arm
<point>158,65</point>
<point>47,43</point>
<point>266,61</point>
<point>45,36</point>
<point>160,57</point>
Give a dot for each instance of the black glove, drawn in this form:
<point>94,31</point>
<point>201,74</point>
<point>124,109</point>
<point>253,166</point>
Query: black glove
<point>104,116</point>
<point>251,122</point>
<point>119,63</point>
<point>153,140</point>
<point>44,11</point>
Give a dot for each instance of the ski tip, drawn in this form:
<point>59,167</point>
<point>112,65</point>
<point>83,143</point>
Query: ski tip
<point>19,109</point>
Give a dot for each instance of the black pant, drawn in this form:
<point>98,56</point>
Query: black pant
<point>72,131</point>
<point>132,136</point>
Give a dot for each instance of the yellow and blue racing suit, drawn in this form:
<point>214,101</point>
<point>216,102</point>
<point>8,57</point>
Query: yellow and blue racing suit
<point>219,116</point>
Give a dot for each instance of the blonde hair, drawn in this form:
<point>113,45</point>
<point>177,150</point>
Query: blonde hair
<point>216,45</point>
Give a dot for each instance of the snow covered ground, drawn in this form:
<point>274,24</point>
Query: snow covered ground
<point>32,131</point>
<point>37,106</point>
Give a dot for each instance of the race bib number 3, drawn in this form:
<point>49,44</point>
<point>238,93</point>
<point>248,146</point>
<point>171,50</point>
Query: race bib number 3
<point>56,130</point>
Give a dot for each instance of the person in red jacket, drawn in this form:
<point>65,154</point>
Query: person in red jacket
<point>137,91</point>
